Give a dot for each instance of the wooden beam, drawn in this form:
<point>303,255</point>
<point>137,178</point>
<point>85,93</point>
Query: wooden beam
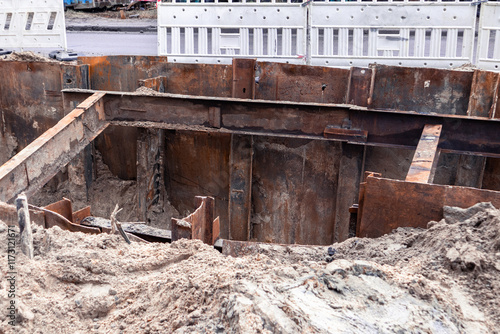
<point>423,166</point>
<point>460,134</point>
<point>37,163</point>
<point>240,187</point>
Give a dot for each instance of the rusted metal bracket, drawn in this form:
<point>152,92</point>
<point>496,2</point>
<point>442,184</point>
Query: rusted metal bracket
<point>200,224</point>
<point>349,135</point>
<point>37,163</point>
<point>423,166</point>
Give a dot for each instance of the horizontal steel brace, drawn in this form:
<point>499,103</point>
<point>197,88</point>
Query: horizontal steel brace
<point>460,134</point>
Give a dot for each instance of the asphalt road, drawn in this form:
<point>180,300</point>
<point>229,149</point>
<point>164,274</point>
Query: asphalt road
<point>112,43</point>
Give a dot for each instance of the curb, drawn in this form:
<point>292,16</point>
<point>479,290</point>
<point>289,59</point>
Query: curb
<point>140,29</point>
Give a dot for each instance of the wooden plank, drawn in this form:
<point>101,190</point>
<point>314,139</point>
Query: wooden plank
<point>240,187</point>
<point>423,166</point>
<point>243,78</point>
<point>37,163</point>
<point>350,173</point>
<point>389,204</point>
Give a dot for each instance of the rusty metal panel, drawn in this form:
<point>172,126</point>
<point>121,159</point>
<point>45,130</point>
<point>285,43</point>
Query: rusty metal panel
<point>424,90</point>
<point>359,86</point>
<point>200,79</point>
<point>389,204</point>
<point>294,190</point>
<point>202,224</point>
<point>300,83</point>
<point>425,159</point>
<point>62,207</point>
<point>349,135</point>
<point>240,187</point>
<point>243,78</point>
<point>215,230</point>
<point>491,179</point>
<point>121,73</point>
<point>31,101</point>
<point>350,172</point>
<point>157,84</point>
<point>150,173</point>
<point>484,93</point>
<point>197,163</point>
<point>460,134</point>
<point>81,214</point>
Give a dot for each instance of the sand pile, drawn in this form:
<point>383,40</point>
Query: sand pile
<point>441,280</point>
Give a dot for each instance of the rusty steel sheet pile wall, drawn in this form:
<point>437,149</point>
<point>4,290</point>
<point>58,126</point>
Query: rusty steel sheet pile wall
<point>295,190</point>
<point>31,100</point>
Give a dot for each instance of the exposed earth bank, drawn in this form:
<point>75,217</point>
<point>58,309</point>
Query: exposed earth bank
<point>441,280</point>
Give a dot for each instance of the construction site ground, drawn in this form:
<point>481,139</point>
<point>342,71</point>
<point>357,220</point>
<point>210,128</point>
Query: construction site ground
<point>441,280</point>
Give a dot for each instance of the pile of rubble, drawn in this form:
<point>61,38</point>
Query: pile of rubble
<point>441,280</point>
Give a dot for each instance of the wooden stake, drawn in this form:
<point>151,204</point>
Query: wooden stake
<point>23,219</point>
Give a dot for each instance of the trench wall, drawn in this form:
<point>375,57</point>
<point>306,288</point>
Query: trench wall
<point>300,190</point>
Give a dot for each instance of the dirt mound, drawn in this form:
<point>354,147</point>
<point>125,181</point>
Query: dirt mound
<point>462,250</point>
<point>28,56</point>
<point>441,280</point>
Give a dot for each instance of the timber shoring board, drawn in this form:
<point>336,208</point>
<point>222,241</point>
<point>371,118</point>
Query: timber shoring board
<point>425,159</point>
<point>388,204</point>
<point>37,163</point>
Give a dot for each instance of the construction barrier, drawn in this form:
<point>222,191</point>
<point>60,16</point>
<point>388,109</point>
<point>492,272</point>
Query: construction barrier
<point>488,55</point>
<point>437,33</point>
<point>215,31</point>
<point>408,33</point>
<point>32,23</point>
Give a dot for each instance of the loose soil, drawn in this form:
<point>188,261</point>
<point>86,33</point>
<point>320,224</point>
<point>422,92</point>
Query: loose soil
<point>441,280</point>
<point>106,191</point>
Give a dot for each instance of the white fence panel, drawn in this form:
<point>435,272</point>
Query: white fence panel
<point>215,32</point>
<point>408,33</point>
<point>32,23</point>
<point>488,55</point>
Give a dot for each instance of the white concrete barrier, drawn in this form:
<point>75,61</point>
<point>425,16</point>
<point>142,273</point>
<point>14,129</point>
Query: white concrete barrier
<point>32,24</point>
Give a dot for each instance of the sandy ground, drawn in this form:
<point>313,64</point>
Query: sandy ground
<point>106,191</point>
<point>441,280</point>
